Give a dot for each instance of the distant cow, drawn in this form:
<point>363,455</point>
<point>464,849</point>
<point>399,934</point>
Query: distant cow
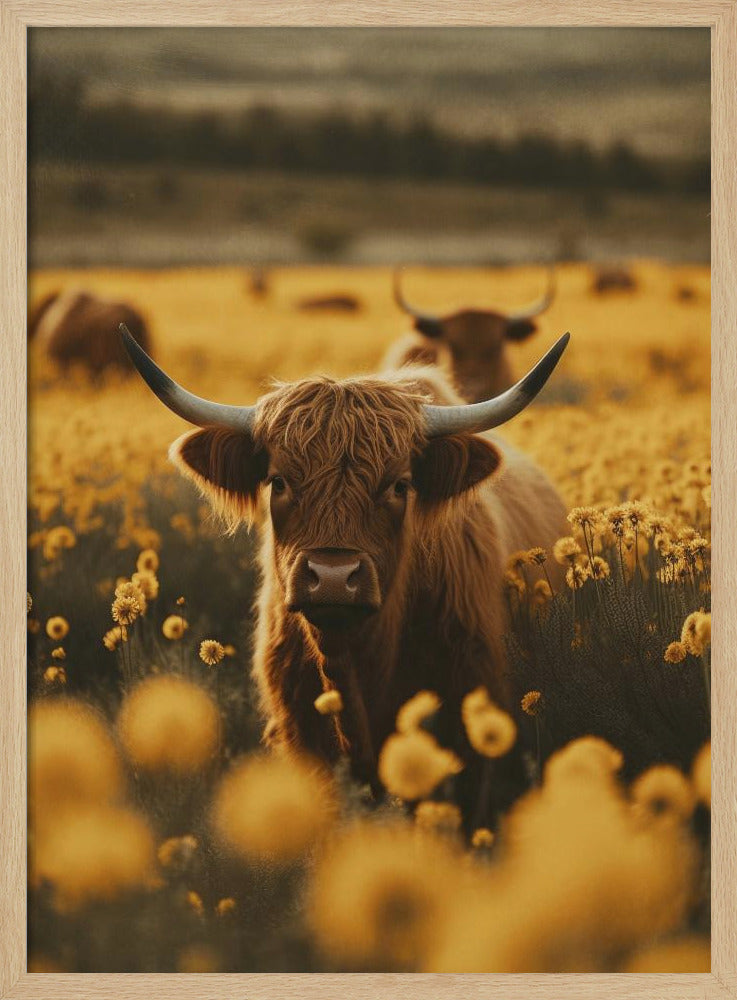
<point>80,328</point>
<point>613,279</point>
<point>387,521</point>
<point>257,281</point>
<point>471,344</point>
<point>330,303</point>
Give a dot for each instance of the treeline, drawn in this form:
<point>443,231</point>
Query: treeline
<point>64,126</point>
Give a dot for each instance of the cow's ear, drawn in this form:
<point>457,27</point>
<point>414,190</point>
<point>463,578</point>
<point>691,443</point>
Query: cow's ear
<point>520,329</point>
<point>431,327</point>
<point>227,467</point>
<point>448,466</point>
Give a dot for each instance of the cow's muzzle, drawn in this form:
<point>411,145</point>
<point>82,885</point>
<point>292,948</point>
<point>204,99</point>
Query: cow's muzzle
<point>333,587</point>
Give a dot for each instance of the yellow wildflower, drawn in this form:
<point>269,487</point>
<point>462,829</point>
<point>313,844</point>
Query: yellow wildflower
<point>532,703</point>
<point>675,653</point>
<point>148,561</point>
<point>414,712</point>
<point>57,628</point>
<point>412,764</point>
<point>211,652</point>
<point>174,627</point>
<point>566,551</point>
<point>272,809</point>
<point>329,703</point>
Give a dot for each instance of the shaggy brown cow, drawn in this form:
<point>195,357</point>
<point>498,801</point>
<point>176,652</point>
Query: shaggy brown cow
<point>76,328</point>
<point>471,344</point>
<point>386,522</point>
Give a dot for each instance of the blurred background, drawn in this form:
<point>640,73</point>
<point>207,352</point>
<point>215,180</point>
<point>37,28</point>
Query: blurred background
<point>160,147</point>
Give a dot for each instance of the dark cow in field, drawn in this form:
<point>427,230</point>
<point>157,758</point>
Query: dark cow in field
<point>387,516</point>
<point>77,328</point>
<point>613,279</point>
<point>330,303</point>
<point>471,344</point>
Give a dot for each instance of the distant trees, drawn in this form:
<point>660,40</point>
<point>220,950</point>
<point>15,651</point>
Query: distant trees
<point>62,125</point>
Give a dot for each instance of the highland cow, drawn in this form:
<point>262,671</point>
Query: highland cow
<point>470,344</point>
<point>75,328</point>
<point>387,518</point>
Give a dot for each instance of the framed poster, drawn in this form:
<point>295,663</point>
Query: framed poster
<point>446,706</point>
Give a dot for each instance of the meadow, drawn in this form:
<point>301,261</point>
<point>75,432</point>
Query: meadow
<point>162,839</point>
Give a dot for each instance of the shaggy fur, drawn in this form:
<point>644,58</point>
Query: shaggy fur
<point>79,328</point>
<point>439,553</point>
<point>471,347</point>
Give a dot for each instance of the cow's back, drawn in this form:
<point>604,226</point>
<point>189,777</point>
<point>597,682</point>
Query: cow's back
<point>526,507</point>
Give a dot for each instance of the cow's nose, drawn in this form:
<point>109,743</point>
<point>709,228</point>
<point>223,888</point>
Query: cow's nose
<point>335,583</point>
<point>335,578</point>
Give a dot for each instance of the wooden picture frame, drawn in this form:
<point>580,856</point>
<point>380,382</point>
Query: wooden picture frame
<point>16,16</point>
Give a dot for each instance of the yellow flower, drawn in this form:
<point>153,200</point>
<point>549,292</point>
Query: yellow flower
<point>174,627</point>
<point>329,703</point>
<point>663,791</point>
<point>58,653</point>
<point>414,712</point>
<point>211,652</point>
<point>491,731</point>
<point>696,632</point>
<point>541,591</point>
<point>93,853</point>
<point>675,653</point>
<point>55,675</point>
<point>177,852</point>
<point>225,906</point>
<point>114,636</point>
<point>194,902</point>
<point>147,583</point>
<point>512,581</point>
<point>598,568</point>
<point>412,764</point>
<point>57,628</point>
<point>58,539</point>
<point>380,896</point>
<point>518,560</point>
<point>147,562</point>
<point>272,809</point>
<point>127,590</point>
<point>482,838</point>
<point>701,774</point>
<point>566,550</point>
<point>537,556</point>
<point>576,576</point>
<point>71,759</point>
<point>588,517</point>
<point>532,703</point>
<point>230,650</point>
<point>125,610</point>
<point>169,724</point>
<point>441,817</point>
<point>586,757</point>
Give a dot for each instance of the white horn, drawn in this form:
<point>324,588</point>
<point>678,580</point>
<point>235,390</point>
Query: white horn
<point>540,306</point>
<point>477,417</point>
<point>186,405</point>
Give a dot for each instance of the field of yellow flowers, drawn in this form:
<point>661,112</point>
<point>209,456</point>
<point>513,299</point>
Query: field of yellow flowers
<point>161,839</point>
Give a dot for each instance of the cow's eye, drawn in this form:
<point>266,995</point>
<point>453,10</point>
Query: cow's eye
<point>278,485</point>
<point>401,488</point>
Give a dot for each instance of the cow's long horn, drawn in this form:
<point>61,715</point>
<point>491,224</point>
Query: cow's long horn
<point>540,306</point>
<point>476,417</point>
<point>431,325</point>
<point>186,405</point>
